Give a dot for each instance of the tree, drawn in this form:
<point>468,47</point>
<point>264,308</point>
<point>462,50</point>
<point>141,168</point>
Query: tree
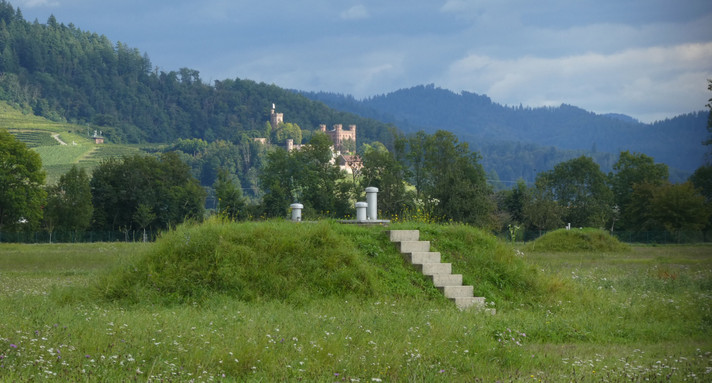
<point>540,210</point>
<point>307,176</point>
<point>678,208</point>
<point>21,180</point>
<point>631,170</point>
<point>709,121</point>
<point>382,170</point>
<point>513,201</point>
<point>69,206</point>
<point>702,179</point>
<point>455,185</point>
<point>143,217</point>
<point>580,188</point>
<point>165,185</point>
<point>229,195</point>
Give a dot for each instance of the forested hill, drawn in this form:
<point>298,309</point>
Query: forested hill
<point>63,73</point>
<point>475,118</point>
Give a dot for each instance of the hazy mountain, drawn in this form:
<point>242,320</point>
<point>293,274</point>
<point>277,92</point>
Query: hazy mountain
<point>476,119</point>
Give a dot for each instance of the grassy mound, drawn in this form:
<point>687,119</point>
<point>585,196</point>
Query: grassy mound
<point>297,263</point>
<point>274,260</point>
<point>576,240</point>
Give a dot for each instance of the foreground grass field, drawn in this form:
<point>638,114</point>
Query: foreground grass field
<point>96,312</point>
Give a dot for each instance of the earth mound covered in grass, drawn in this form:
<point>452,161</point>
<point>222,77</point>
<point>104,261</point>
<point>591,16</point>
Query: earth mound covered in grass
<point>577,240</point>
<point>273,260</point>
<point>298,263</point>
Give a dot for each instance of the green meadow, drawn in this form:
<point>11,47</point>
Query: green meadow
<point>276,301</point>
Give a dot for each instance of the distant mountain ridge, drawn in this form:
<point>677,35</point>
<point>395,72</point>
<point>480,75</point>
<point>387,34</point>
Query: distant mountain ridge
<point>676,142</point>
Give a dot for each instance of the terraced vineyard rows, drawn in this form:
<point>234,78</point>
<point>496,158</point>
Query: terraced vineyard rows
<point>34,138</point>
<point>57,159</point>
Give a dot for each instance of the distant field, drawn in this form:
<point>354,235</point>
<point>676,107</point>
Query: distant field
<point>57,159</point>
<point>642,315</point>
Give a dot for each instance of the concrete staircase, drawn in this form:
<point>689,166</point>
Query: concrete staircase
<point>418,253</point>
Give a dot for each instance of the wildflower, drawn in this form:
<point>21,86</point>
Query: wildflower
<point>12,345</point>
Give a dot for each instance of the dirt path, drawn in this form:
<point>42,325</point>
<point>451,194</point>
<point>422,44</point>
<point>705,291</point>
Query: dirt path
<point>56,137</point>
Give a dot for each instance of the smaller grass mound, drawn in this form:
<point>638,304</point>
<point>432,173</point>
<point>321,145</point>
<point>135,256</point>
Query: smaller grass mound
<point>577,240</point>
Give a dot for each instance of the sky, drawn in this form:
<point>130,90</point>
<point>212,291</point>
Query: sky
<point>649,59</point>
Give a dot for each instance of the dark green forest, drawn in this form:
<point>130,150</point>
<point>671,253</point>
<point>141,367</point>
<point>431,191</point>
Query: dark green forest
<point>63,73</point>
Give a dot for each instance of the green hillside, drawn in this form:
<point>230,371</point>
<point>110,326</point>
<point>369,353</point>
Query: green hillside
<point>60,145</point>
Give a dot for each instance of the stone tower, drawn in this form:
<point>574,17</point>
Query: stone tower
<point>275,118</point>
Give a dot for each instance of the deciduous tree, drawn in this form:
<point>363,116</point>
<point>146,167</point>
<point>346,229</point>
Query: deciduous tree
<point>631,170</point>
<point>580,188</point>
<point>21,180</point>
<point>69,205</point>
<point>164,184</point>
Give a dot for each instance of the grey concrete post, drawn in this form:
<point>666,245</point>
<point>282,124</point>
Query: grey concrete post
<point>361,211</point>
<point>371,196</point>
<point>296,211</point>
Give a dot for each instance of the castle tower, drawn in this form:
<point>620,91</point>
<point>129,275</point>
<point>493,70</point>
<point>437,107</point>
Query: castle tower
<point>275,118</point>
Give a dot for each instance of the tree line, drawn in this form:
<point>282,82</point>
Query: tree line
<point>425,177</point>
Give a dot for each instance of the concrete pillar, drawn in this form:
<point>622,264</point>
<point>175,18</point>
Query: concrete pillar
<point>371,196</point>
<point>296,211</point>
<point>361,211</point>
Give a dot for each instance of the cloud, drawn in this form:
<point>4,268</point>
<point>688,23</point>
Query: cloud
<point>652,82</point>
<point>355,13</point>
<point>37,3</point>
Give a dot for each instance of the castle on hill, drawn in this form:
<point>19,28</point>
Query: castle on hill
<point>343,141</point>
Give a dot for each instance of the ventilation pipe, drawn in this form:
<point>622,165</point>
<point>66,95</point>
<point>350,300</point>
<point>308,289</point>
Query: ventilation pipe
<point>361,211</point>
<point>296,211</point>
<point>372,210</point>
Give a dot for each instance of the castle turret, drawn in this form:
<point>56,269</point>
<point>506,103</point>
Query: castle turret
<point>275,118</point>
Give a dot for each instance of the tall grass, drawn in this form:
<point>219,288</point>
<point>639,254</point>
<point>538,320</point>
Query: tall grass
<point>641,315</point>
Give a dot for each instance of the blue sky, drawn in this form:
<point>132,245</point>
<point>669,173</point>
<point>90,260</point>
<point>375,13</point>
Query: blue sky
<point>649,59</point>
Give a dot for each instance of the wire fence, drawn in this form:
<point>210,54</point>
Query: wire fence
<point>643,237</point>
<point>78,236</point>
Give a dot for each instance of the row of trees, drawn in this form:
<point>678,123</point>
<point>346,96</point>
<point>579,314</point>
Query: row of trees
<point>635,197</point>
<point>434,177</point>
<point>122,194</point>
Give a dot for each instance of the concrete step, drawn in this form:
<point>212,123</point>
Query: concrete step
<point>456,291</point>
<point>434,268</point>
<point>404,235</point>
<point>446,280</point>
<point>414,246</point>
<point>420,258</point>
<point>469,302</point>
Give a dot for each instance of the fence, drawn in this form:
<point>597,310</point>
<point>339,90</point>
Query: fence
<point>76,236</point>
<point>645,237</point>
